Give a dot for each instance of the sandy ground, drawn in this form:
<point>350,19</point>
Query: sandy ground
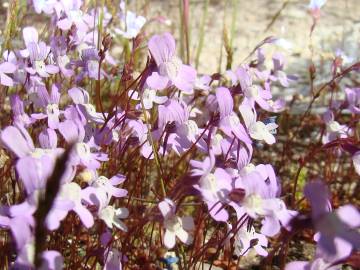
<point>338,28</point>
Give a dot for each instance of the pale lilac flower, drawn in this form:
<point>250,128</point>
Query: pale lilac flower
<point>170,68</point>
<point>278,73</point>
<point>50,105</point>
<point>254,93</point>
<point>229,122</point>
<point>102,189</point>
<point>34,165</point>
<point>83,153</point>
<point>260,199</point>
<point>175,226</point>
<point>85,110</point>
<point>38,52</point>
<point>317,4</point>
<point>172,111</point>
<point>6,68</point>
<point>214,187</point>
<point>203,83</point>
<point>90,63</point>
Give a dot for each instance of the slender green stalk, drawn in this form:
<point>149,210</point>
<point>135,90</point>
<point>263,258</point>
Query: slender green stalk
<point>151,140</point>
<point>186,13</point>
<point>235,4</point>
<point>11,23</point>
<point>181,36</point>
<point>202,33</point>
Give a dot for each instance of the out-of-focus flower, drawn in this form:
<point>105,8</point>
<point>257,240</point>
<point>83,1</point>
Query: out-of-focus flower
<point>149,97</point>
<point>130,25</point>
<point>6,68</point>
<point>113,259</point>
<point>356,162</point>
<point>332,225</point>
<point>353,99</point>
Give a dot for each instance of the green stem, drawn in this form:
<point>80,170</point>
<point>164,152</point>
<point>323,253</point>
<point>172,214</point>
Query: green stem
<point>151,140</point>
<point>202,33</point>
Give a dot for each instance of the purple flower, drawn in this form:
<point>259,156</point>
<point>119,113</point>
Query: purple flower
<point>334,129</point>
<point>170,68</point>
<point>85,110</point>
<point>149,97</point>
<point>102,189</point>
<point>140,131</point>
<point>90,63</point>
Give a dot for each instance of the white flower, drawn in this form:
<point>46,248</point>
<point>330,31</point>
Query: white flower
<point>175,226</point>
<point>111,216</point>
<point>257,129</point>
<point>148,97</point>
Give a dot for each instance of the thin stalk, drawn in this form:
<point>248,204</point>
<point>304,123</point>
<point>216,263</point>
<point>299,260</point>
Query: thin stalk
<point>151,140</point>
<point>186,12</point>
<point>202,33</point>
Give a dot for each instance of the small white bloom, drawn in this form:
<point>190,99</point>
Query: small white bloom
<point>111,216</point>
